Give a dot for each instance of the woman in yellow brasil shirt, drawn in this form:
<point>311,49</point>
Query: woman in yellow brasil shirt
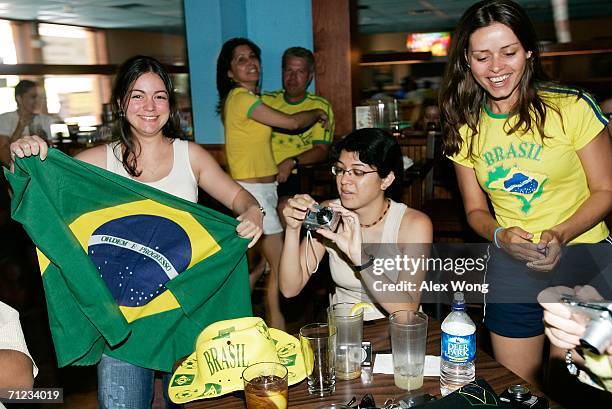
<point>248,126</point>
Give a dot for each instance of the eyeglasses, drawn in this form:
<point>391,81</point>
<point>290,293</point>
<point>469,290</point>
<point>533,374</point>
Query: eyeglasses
<point>338,171</point>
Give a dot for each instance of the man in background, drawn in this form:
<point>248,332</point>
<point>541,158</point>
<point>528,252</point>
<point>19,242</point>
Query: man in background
<point>24,121</point>
<point>306,146</point>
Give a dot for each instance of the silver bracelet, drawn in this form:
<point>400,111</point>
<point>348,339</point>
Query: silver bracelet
<point>569,363</point>
<point>262,210</point>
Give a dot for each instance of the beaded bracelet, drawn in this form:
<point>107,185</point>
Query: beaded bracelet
<point>495,236</point>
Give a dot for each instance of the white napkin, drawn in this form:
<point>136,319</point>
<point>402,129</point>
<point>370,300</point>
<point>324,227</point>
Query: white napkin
<point>407,162</point>
<point>383,363</point>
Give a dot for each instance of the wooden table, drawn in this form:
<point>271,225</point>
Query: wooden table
<point>382,387</point>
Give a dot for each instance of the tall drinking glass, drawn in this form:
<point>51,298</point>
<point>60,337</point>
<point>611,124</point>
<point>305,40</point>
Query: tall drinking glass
<point>265,385</point>
<point>408,340</point>
<point>318,343</point>
<point>349,329</point>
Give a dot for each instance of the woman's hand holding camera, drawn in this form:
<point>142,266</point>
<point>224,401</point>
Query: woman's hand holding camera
<point>348,239</point>
<point>296,209</point>
<point>563,327</point>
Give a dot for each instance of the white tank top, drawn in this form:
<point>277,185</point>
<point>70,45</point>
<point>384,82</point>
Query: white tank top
<point>348,285</point>
<point>179,182</point>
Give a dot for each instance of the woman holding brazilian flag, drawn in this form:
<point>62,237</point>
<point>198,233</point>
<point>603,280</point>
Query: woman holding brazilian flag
<point>167,264</point>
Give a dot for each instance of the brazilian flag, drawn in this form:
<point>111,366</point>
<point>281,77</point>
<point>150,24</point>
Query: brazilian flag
<point>128,270</point>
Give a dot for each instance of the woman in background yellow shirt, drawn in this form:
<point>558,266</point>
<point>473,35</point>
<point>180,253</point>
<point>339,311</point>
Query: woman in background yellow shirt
<point>248,126</point>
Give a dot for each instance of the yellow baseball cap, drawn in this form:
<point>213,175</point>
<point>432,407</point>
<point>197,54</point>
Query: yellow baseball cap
<point>222,352</point>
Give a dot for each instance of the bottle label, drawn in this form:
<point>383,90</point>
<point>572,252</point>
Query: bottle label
<point>458,349</point>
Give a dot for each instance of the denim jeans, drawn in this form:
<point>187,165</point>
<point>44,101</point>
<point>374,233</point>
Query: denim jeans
<point>125,386</point>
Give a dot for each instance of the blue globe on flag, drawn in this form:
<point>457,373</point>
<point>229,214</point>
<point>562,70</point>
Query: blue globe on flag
<point>137,255</point>
<point>521,183</point>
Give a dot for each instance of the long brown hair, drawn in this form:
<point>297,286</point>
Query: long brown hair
<point>462,98</point>
<point>126,76</point>
<point>224,64</point>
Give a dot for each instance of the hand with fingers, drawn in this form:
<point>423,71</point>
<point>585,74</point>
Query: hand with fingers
<point>562,328</point>
<point>296,209</point>
<point>323,119</point>
<point>550,247</point>
<point>284,170</point>
<point>517,242</point>
<point>30,145</point>
<point>565,328</point>
<point>348,238</point>
<point>587,292</point>
<point>251,224</point>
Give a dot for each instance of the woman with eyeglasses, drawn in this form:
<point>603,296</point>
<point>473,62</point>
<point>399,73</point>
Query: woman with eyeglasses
<point>367,166</point>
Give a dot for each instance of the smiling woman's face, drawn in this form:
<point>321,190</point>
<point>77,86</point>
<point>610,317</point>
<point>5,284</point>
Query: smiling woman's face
<point>497,61</point>
<point>244,68</point>
<point>148,107</point>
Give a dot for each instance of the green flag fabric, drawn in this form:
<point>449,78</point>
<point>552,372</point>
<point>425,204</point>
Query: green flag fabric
<point>128,270</point>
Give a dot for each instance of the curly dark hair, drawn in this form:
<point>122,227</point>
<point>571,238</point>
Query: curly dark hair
<point>224,63</point>
<point>378,149</point>
<point>461,97</point>
<point>125,79</point>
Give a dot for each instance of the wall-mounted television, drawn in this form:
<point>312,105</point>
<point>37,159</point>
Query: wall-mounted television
<point>437,43</point>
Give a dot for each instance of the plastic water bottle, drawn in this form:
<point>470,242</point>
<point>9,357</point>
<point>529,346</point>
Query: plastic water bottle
<point>458,348</point>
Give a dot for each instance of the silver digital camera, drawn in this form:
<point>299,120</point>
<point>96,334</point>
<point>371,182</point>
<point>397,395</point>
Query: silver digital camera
<point>599,328</point>
<point>321,217</point>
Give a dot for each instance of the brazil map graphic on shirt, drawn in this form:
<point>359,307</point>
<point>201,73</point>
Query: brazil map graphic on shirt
<point>526,186</point>
<point>128,270</point>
